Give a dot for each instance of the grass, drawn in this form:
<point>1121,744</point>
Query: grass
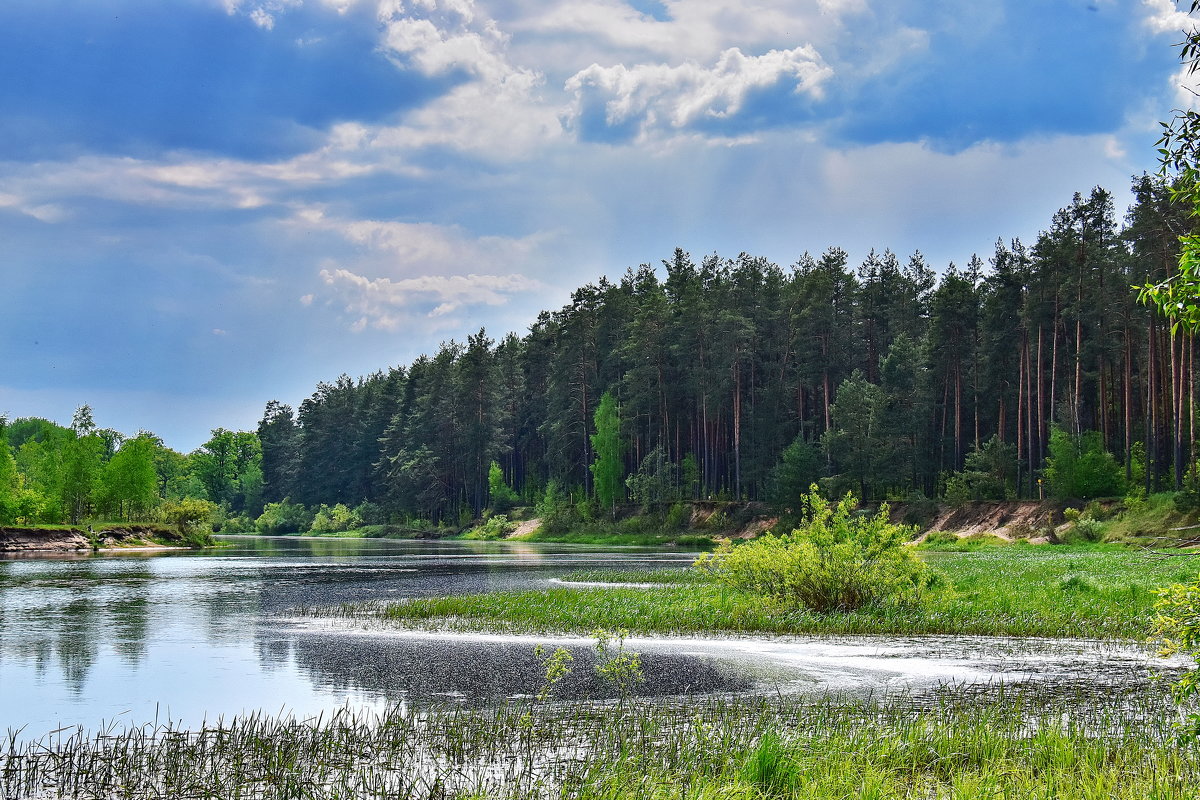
<point>619,576</point>
<point>1021,590</point>
<point>736,749</point>
<point>611,537</point>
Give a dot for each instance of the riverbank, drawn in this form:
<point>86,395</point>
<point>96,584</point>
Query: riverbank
<point>699,525</point>
<point>52,539</point>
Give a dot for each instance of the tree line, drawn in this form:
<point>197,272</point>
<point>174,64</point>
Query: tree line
<point>736,378</point>
<point>55,474</point>
<point>723,378</point>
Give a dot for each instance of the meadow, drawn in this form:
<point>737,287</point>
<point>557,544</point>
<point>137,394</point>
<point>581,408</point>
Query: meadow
<point>1093,592</point>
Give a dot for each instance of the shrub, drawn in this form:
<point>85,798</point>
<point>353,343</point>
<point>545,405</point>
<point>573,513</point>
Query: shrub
<point>370,513</point>
<point>336,519</point>
<point>1079,466</point>
<point>503,498</point>
<point>556,510</point>
<point>496,527</point>
<point>835,562</point>
<point>192,518</point>
<point>1177,625</point>
<point>283,517</point>
<point>678,516</point>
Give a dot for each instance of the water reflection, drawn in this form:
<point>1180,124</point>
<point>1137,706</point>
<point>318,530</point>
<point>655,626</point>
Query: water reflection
<point>196,635</point>
<point>83,638</point>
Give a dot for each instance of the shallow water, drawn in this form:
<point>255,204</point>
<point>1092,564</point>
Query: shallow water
<point>189,636</point>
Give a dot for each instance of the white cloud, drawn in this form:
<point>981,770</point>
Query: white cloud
<point>676,96</point>
<point>408,247</point>
<point>178,181</point>
<point>1164,16</point>
<point>389,304</point>
<point>43,212</point>
<point>697,30</point>
<point>261,12</point>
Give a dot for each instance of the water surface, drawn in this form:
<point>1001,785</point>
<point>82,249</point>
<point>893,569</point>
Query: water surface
<point>190,636</point>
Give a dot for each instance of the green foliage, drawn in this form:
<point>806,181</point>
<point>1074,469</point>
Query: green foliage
<point>987,474</point>
<point>494,527</point>
<point>336,519</point>
<point>556,510</point>
<point>678,516</point>
<point>1084,530</point>
<point>1079,466</point>
<point>836,562</point>
<point>1177,626</point>
<point>128,485</point>
<point>283,517</point>
<point>608,468</point>
<point>621,668</point>
<point>370,513</point>
<point>503,498</point>
<point>191,518</point>
<point>799,467</point>
<point>654,482</point>
<point>556,665</point>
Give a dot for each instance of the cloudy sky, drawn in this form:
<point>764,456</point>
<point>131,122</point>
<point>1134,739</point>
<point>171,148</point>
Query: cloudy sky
<point>209,204</point>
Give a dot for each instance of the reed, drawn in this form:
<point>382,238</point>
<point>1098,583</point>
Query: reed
<point>953,746</point>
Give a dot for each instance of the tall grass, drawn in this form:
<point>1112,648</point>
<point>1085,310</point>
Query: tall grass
<point>728,748</point>
<point>1010,591</point>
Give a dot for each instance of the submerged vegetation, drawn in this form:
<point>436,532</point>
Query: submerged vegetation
<point>751,749</point>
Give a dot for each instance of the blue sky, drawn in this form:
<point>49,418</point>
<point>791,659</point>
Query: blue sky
<point>209,204</point>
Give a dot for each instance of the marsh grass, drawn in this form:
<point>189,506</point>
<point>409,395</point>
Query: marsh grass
<point>728,748</point>
<point>669,575</point>
<point>1060,592</point>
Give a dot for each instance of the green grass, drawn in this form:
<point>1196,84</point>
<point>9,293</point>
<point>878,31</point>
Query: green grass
<point>618,576</point>
<point>735,749</point>
<point>1062,592</point>
<point>610,537</point>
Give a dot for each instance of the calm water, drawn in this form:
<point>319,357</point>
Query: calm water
<point>195,635</point>
<point>191,636</point>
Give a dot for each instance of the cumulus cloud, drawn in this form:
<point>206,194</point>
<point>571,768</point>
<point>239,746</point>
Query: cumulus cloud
<point>658,95</point>
<point>1164,16</point>
<point>496,113</point>
<point>389,304</point>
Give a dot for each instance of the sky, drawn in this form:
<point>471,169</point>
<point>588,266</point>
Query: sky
<point>206,205</point>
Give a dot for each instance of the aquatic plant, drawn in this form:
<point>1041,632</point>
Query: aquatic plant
<point>954,745</point>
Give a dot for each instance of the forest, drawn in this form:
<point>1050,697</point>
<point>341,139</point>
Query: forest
<point>1032,372</point>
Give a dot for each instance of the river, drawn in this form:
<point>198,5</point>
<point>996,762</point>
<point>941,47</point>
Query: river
<point>131,638</point>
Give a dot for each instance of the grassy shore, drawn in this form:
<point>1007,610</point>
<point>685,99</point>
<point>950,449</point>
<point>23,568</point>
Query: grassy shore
<point>751,749</point>
<point>1083,592</point>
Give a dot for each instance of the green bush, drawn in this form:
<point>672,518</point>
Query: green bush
<point>678,516</point>
<point>336,519</point>
<point>283,517</point>
<point>503,498</point>
<point>556,510</point>
<point>192,519</point>
<point>496,527</point>
<point>1079,466</point>
<point>835,562</point>
<point>1177,625</point>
